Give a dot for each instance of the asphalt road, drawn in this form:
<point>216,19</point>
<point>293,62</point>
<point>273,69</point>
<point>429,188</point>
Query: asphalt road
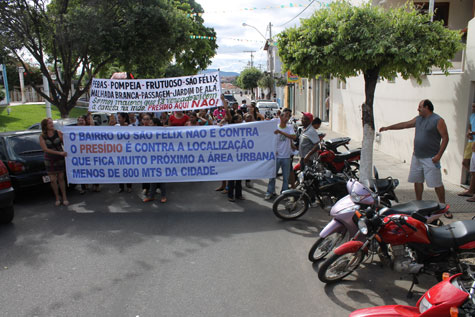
<point>110,254</point>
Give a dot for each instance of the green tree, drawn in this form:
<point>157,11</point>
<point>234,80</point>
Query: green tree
<point>248,79</point>
<point>343,41</point>
<point>267,82</point>
<point>78,38</point>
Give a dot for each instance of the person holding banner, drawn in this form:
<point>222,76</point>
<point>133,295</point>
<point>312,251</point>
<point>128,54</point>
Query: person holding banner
<point>255,112</point>
<point>284,152</point>
<point>147,121</point>
<point>234,186</point>
<point>164,119</point>
<point>178,118</point>
<point>193,122</point>
<point>82,122</point>
<point>51,142</point>
<point>204,118</point>
<point>124,121</point>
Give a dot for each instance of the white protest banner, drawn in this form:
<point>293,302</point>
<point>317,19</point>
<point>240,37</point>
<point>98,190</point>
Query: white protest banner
<point>155,95</point>
<point>116,154</point>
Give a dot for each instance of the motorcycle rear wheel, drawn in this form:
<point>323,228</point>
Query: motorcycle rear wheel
<point>323,246</point>
<point>290,206</point>
<point>338,266</point>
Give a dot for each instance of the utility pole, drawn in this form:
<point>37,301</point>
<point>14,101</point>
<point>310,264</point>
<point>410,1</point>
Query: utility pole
<point>271,51</point>
<point>252,56</point>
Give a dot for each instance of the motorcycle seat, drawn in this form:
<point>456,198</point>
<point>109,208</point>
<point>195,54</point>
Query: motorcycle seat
<point>346,156</point>
<point>336,142</point>
<point>381,184</point>
<point>453,235</point>
<point>422,207</point>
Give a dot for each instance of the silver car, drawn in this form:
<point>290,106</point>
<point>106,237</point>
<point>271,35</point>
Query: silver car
<point>268,108</point>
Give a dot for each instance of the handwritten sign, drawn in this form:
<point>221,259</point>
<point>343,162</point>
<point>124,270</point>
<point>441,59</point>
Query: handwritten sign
<point>156,95</point>
<point>173,154</point>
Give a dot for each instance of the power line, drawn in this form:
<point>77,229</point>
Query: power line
<point>297,14</point>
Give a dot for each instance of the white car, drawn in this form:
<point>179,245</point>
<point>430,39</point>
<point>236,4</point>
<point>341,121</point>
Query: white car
<point>268,108</point>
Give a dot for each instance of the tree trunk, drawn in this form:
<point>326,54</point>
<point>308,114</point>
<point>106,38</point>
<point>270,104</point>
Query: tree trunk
<point>371,79</point>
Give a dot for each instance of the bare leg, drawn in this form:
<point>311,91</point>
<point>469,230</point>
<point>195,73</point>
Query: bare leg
<point>440,191</point>
<point>419,189</point>
<point>292,179</point>
<point>54,185</point>
<point>466,164</point>
<point>471,189</point>
<point>62,186</point>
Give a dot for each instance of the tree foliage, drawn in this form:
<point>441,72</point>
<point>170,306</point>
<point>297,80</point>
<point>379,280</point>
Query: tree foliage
<point>248,78</point>
<point>267,82</point>
<point>344,40</point>
<point>79,38</point>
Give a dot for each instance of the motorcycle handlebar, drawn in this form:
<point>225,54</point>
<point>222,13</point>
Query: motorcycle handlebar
<point>401,220</point>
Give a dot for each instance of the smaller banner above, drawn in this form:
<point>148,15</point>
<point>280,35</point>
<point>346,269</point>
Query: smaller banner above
<point>156,95</point>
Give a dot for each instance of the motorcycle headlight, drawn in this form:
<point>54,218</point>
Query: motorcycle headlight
<point>363,226</point>
<point>355,197</point>
<point>301,177</point>
<point>424,305</point>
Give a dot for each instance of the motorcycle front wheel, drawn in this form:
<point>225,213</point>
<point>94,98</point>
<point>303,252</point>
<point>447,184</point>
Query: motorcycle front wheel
<point>290,206</point>
<point>338,266</point>
<point>323,246</point>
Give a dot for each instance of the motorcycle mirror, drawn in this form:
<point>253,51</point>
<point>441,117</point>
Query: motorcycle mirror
<point>375,172</point>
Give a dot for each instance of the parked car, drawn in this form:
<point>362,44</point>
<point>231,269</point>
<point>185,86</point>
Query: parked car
<point>21,153</point>
<point>58,124</point>
<point>230,98</point>
<point>100,118</point>
<point>7,194</point>
<point>268,108</point>
<point>83,102</point>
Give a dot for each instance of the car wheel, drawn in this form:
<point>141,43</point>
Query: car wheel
<point>6,215</point>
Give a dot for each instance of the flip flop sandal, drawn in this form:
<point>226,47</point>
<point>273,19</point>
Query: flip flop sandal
<point>465,194</point>
<point>472,200</point>
<point>448,215</point>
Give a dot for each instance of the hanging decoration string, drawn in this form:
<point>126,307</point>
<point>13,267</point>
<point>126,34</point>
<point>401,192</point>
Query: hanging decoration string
<point>283,6</point>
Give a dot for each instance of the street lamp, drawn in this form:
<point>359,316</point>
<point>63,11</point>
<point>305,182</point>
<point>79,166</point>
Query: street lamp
<point>245,24</point>
<point>270,49</point>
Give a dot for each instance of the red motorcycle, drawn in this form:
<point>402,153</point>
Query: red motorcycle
<point>334,160</point>
<point>406,243</point>
<point>447,298</point>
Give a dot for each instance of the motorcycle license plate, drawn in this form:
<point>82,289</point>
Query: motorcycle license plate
<point>46,179</point>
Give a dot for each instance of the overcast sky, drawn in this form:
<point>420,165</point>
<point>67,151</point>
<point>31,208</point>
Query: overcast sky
<point>227,17</point>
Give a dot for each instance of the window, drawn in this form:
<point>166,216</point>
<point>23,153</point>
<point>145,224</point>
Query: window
<point>441,10</point>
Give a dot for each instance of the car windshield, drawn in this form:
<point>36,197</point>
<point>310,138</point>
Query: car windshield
<point>25,144</point>
<point>268,105</point>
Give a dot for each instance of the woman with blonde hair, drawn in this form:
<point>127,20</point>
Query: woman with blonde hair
<point>51,142</point>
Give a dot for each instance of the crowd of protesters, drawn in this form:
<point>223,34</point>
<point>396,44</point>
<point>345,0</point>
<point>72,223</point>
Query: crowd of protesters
<point>231,113</point>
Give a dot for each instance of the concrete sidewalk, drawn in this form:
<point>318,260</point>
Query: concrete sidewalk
<point>391,166</point>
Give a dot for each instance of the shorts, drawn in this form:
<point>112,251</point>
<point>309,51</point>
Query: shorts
<point>472,163</point>
<point>424,169</point>
<point>467,154</point>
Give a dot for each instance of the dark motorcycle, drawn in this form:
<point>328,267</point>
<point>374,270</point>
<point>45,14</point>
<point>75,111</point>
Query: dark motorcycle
<point>317,185</point>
